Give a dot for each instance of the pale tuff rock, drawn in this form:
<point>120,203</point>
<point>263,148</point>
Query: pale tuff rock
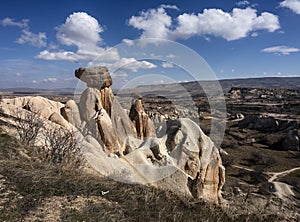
<point>71,113</point>
<point>37,104</point>
<point>58,119</point>
<point>89,105</point>
<point>124,126</point>
<point>107,132</point>
<point>141,121</point>
<point>198,157</point>
<point>125,147</point>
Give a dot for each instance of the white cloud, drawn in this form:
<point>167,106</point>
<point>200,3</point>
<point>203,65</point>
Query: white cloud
<point>230,26</point>
<point>34,81</point>
<point>128,42</point>
<point>83,31</point>
<point>294,5</point>
<point>156,23</point>
<point>130,64</point>
<point>169,7</point>
<point>27,37</point>
<point>243,3</point>
<point>167,65</point>
<point>38,40</point>
<point>281,50</point>
<point>10,22</point>
<point>99,53</point>
<point>53,46</point>
<point>50,80</point>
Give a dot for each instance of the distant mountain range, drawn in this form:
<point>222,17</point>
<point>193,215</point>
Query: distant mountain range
<point>227,84</point>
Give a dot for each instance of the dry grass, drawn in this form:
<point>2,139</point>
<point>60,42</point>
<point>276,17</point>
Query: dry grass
<point>31,190</point>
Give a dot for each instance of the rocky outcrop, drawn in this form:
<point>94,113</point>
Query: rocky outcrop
<point>198,157</point>
<point>266,124</point>
<point>279,134</point>
<point>141,121</point>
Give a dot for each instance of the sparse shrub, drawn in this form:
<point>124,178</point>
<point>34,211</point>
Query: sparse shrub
<point>61,147</point>
<point>28,126</point>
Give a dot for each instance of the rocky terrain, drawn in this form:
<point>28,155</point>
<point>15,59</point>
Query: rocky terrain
<point>151,136</point>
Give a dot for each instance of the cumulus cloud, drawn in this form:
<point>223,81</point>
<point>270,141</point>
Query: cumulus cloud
<point>230,26</point>
<point>240,23</point>
<point>294,5</point>
<point>82,31</point>
<point>167,65</point>
<point>154,23</point>
<point>11,22</point>
<point>280,50</point>
<point>37,40</point>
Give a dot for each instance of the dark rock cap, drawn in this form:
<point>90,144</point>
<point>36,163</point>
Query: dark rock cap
<point>96,77</point>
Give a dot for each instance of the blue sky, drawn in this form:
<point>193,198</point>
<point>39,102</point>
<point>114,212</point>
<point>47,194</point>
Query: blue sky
<point>43,42</point>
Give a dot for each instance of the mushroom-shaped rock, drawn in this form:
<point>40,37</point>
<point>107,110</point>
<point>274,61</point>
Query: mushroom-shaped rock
<point>97,77</point>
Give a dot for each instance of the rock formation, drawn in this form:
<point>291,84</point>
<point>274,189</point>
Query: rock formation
<point>141,121</point>
<point>97,77</point>
<point>71,113</point>
<point>184,150</point>
<point>125,147</point>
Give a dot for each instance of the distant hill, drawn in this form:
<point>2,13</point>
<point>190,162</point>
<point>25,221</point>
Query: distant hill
<point>227,84</point>
<point>267,82</point>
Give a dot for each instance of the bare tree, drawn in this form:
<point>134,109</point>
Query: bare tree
<point>28,126</point>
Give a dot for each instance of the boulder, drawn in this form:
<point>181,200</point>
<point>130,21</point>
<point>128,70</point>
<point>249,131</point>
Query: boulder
<point>97,77</point>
